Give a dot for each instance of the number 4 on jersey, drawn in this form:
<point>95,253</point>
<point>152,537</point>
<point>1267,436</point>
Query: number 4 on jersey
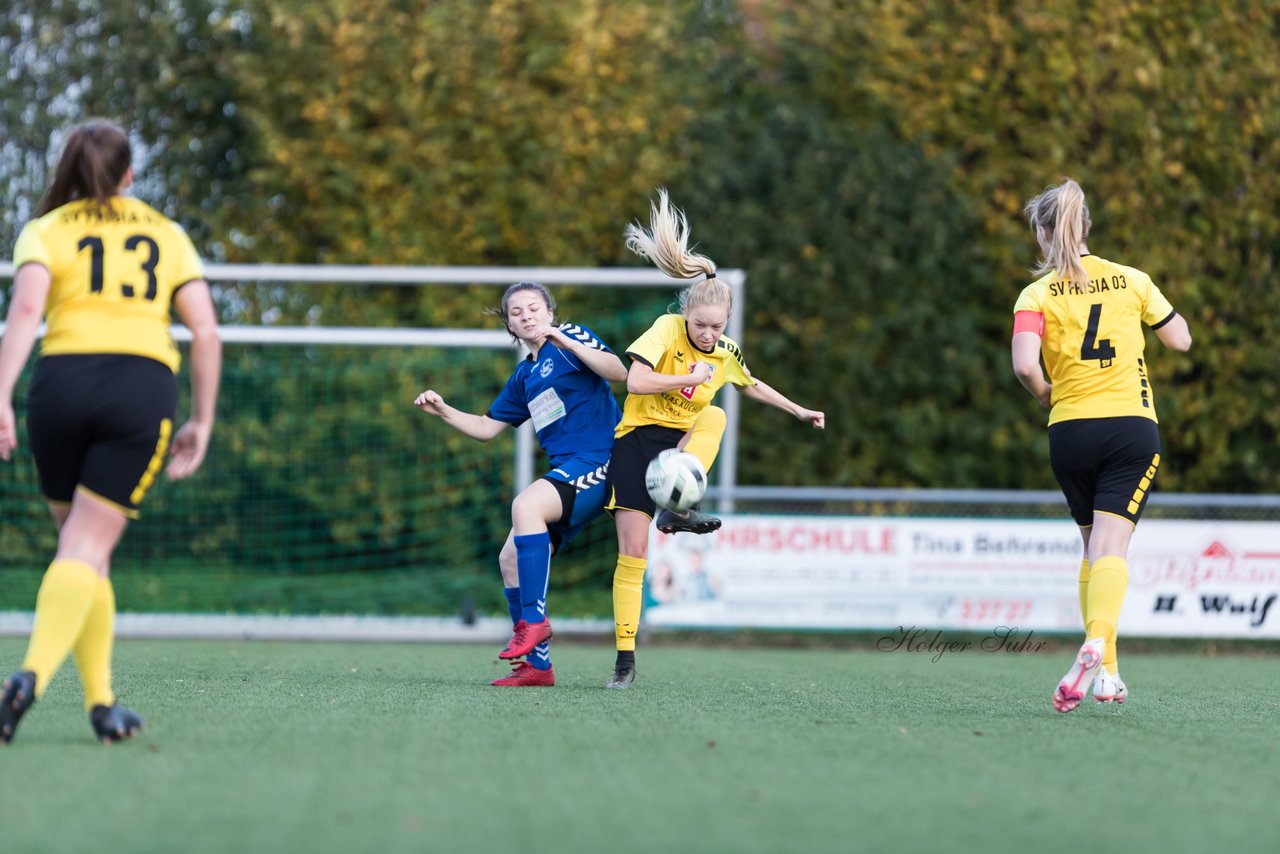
<point>1092,348</point>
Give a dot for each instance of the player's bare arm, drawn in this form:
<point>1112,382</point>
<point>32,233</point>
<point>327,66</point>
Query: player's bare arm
<point>642,379</point>
<point>765,393</point>
<point>1175,334</point>
<point>482,428</point>
<point>1026,366</point>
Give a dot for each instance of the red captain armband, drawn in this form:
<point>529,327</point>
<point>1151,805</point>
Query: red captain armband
<point>1028,321</point>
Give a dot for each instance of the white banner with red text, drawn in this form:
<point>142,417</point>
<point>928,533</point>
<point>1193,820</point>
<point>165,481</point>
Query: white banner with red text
<point>1187,578</point>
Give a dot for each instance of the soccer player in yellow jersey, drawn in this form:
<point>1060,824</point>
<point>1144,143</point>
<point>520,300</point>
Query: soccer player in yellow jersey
<point>1084,316</point>
<point>676,368</point>
<point>104,270</point>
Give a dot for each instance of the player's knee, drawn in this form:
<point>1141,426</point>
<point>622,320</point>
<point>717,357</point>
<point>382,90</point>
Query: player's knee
<point>712,418</point>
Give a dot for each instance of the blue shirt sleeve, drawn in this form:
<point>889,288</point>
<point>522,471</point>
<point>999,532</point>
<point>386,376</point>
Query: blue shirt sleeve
<point>584,336</point>
<point>511,406</point>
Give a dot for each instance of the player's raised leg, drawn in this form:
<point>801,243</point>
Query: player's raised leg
<point>703,441</point>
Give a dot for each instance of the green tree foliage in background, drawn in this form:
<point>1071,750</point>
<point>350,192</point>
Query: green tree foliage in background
<point>161,67</point>
<point>1169,115</point>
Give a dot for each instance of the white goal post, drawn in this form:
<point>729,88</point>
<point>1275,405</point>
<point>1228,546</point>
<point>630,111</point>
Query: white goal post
<point>331,274</point>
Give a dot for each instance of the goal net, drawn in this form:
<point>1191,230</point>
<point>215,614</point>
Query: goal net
<point>325,490</point>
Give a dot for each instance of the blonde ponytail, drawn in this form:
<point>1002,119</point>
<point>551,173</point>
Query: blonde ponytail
<point>1062,212</point>
<point>666,244</point>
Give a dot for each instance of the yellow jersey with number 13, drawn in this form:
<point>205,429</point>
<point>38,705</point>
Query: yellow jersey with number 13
<point>1092,339</point>
<point>114,272</point>
<point>667,349</point>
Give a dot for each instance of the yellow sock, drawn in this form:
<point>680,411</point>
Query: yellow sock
<point>92,650</point>
<point>65,596</point>
<point>628,580</point>
<point>705,435</point>
<point>1084,591</point>
<point>1108,582</point>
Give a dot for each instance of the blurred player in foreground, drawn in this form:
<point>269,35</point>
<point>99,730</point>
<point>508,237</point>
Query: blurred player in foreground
<point>105,269</point>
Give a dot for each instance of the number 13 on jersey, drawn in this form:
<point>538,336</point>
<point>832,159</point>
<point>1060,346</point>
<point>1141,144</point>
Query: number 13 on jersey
<point>132,244</point>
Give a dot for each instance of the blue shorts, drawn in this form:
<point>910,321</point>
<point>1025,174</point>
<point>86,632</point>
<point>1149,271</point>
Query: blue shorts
<point>580,482</point>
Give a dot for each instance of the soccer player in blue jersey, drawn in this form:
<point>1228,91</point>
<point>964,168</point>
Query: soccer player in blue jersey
<point>563,386</point>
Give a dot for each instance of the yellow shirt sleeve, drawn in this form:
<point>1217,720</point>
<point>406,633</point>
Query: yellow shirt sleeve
<point>736,370</point>
<point>31,248</point>
<point>1158,307</point>
<point>1031,299</point>
<point>650,346</point>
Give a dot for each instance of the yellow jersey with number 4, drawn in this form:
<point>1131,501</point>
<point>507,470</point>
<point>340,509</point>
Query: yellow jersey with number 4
<point>1092,339</point>
<point>114,272</point>
<point>666,348</point>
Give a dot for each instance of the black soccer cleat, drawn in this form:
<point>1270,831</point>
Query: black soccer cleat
<point>623,676</point>
<point>690,521</point>
<point>114,723</point>
<point>17,696</point>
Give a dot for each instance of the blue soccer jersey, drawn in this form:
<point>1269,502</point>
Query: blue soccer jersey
<point>572,407</point>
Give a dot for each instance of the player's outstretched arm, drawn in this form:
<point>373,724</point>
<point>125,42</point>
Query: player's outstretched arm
<point>482,428</point>
<point>766,393</point>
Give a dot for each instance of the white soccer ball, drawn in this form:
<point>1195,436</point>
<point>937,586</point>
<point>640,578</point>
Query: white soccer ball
<point>675,479</point>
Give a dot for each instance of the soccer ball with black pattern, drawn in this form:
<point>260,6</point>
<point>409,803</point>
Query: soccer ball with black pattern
<point>676,480</point>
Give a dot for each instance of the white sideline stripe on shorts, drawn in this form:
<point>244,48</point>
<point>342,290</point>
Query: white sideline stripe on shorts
<point>309,628</point>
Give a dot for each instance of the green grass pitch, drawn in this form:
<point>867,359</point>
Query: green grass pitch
<point>256,746</point>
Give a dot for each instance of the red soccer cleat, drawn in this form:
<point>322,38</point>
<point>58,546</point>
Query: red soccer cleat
<point>524,674</point>
<point>525,637</point>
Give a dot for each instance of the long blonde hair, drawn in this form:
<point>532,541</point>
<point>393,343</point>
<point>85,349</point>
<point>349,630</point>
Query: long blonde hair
<point>666,244</point>
<point>1061,211</point>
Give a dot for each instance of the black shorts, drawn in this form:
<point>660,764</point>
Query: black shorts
<point>101,423</point>
<point>1106,465</point>
<point>631,456</point>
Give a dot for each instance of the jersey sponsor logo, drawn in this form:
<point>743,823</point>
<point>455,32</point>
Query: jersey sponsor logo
<point>688,391</point>
<point>546,409</point>
<point>545,369</point>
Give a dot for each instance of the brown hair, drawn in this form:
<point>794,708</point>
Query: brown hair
<point>666,244</point>
<point>504,305</point>
<point>94,161</point>
<point>1061,211</point>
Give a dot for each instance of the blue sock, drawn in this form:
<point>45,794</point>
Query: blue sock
<point>533,565</point>
<point>541,656</point>
<point>513,603</point>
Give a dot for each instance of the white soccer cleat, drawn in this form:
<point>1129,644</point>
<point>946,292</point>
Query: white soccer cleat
<point>1108,688</point>
<point>1070,690</point>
